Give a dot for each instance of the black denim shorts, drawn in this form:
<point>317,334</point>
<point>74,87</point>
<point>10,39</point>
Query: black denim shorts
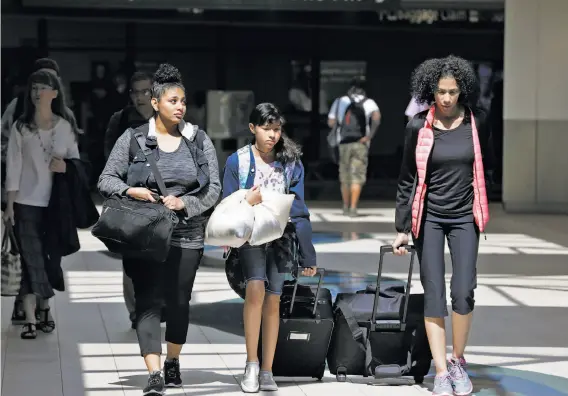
<point>259,263</point>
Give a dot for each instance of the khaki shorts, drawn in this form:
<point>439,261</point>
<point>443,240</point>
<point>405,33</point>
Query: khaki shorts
<point>353,161</point>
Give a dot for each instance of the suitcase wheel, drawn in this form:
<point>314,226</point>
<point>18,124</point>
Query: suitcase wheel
<point>419,379</point>
<point>341,375</point>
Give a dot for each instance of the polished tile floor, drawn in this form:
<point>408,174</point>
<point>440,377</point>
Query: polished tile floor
<point>518,344</point>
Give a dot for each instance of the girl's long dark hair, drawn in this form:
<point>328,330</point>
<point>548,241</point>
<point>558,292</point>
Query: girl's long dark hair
<point>58,105</point>
<point>286,149</point>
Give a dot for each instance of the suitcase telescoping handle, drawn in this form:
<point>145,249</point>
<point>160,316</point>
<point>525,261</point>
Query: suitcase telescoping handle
<point>321,272</point>
<point>384,250</point>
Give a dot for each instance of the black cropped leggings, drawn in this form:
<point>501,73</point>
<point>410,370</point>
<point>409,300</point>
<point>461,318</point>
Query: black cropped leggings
<point>153,282</point>
<point>463,241</point>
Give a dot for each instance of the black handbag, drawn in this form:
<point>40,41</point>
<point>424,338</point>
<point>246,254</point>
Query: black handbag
<point>137,229</point>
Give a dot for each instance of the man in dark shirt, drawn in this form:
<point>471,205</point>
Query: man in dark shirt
<point>132,116</point>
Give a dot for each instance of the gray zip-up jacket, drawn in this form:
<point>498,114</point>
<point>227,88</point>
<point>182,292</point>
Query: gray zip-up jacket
<point>190,231</point>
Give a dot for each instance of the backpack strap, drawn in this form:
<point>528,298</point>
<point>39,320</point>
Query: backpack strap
<point>353,102</point>
<point>134,146</point>
<point>337,112</point>
<point>360,102</point>
<point>200,138</point>
<point>151,158</point>
<point>244,157</point>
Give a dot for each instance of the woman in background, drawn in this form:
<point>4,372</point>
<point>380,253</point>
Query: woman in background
<point>40,141</point>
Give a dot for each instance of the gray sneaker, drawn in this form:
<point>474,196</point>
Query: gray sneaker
<point>443,385</point>
<point>155,386</point>
<point>249,383</point>
<point>460,380</point>
<point>267,382</point>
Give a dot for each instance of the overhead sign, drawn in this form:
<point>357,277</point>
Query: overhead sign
<point>454,4</point>
<point>436,17</point>
<point>275,5</point>
<point>261,5</point>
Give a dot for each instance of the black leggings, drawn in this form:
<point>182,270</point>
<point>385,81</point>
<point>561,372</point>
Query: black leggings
<point>463,241</point>
<point>172,280</point>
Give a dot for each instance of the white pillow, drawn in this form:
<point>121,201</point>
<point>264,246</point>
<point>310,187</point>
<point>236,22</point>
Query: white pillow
<point>270,217</point>
<point>231,223</point>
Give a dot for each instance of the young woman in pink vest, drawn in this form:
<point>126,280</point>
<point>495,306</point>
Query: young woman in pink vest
<point>442,196</point>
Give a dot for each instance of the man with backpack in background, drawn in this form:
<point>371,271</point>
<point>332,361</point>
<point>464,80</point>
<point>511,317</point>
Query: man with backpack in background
<point>132,116</point>
<point>354,119</point>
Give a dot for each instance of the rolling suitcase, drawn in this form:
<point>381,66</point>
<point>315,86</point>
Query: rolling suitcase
<point>380,332</point>
<point>306,325</point>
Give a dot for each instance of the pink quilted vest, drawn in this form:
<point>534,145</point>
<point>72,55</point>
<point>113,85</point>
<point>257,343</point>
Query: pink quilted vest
<point>423,149</point>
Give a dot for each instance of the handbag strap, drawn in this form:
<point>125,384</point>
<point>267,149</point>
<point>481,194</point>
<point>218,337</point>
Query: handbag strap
<point>148,153</point>
<point>361,335</point>
<point>5,239</point>
<point>9,242</point>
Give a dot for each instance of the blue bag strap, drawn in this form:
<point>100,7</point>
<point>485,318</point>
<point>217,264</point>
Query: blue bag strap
<point>243,165</point>
<point>245,162</point>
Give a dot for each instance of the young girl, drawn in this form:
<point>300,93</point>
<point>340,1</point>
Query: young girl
<point>442,195</point>
<point>39,142</point>
<point>271,162</point>
<point>191,175</point>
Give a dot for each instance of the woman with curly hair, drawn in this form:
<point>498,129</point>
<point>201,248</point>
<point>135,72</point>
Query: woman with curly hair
<point>442,195</point>
<point>187,163</point>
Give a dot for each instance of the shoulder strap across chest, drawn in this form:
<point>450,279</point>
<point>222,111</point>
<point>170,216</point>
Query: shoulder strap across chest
<point>245,158</point>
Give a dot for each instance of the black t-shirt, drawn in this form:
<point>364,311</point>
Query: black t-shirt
<point>407,177</point>
<point>179,173</point>
<point>450,174</point>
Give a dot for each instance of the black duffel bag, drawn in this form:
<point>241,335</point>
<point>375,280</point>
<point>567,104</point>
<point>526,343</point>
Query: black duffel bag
<point>380,334</point>
<point>137,229</point>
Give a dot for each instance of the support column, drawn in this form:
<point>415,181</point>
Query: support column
<point>535,141</point>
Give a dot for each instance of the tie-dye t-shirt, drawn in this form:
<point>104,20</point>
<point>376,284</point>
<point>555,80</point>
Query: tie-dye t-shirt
<point>270,176</point>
